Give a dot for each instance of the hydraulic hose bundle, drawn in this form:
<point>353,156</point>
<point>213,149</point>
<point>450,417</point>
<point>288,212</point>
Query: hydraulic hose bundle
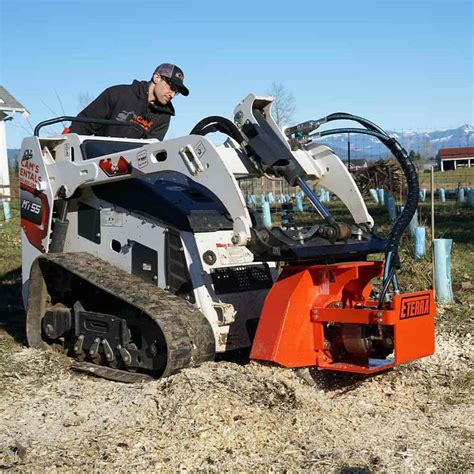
<point>392,262</point>
<point>305,129</point>
<point>216,123</point>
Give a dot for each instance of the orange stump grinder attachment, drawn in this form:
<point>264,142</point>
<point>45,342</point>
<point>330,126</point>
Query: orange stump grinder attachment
<point>319,312</point>
<point>321,315</point>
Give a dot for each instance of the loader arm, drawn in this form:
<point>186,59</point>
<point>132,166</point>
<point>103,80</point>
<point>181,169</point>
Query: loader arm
<point>336,178</point>
<point>276,157</point>
<point>193,156</point>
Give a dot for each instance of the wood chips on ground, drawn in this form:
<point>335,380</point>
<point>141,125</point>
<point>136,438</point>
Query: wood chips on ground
<point>229,417</point>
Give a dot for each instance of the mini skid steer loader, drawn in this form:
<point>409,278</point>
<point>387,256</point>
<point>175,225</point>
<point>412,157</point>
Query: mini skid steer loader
<point>141,258</point>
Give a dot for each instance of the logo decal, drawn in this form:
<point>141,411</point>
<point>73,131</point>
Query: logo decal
<point>115,168</point>
<point>414,306</point>
<point>27,155</point>
<point>29,171</point>
<point>34,215</point>
<point>125,116</point>
<point>143,122</point>
<point>132,117</point>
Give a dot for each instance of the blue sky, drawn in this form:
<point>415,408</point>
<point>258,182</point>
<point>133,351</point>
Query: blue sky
<point>402,64</point>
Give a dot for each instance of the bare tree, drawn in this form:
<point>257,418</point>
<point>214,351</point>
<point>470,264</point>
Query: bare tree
<point>425,156</point>
<point>83,100</point>
<point>284,104</point>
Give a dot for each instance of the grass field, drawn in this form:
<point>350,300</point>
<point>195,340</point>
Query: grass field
<point>462,177</point>
<point>11,307</point>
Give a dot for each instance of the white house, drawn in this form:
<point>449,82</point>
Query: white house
<point>9,106</point>
<point>452,158</point>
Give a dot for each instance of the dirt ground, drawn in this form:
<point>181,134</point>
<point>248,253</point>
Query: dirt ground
<point>238,417</point>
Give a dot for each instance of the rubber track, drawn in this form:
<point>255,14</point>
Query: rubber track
<point>187,332</point>
<point>110,374</point>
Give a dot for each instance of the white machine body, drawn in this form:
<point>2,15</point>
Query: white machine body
<point>224,281</point>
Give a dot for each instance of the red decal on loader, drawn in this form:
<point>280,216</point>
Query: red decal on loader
<point>413,307</point>
<point>115,167</point>
<point>34,215</point>
<point>29,171</point>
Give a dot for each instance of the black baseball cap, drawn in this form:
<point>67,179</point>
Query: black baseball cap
<point>174,74</point>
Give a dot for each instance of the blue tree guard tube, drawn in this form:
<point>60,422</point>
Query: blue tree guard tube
<point>373,193</point>
<point>6,211</point>
<point>423,194</point>
<point>298,207</point>
<point>470,198</point>
<point>413,223</point>
<point>380,193</point>
<point>442,259</point>
<point>270,198</point>
<point>391,207</point>
<point>420,242</point>
<point>461,195</point>
<point>442,195</point>
<point>253,198</point>
<point>249,201</point>
<point>322,194</point>
<point>328,196</point>
<point>267,217</point>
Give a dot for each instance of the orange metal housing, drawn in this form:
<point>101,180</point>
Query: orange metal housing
<point>306,300</point>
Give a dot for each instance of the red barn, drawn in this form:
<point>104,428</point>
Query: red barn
<point>451,158</point>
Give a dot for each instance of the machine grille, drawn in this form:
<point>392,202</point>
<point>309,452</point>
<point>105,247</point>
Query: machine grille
<point>237,279</point>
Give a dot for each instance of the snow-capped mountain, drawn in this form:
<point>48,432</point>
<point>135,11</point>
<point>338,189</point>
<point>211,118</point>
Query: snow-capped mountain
<point>425,143</point>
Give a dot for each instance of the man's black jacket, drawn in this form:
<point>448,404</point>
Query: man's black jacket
<point>126,103</point>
